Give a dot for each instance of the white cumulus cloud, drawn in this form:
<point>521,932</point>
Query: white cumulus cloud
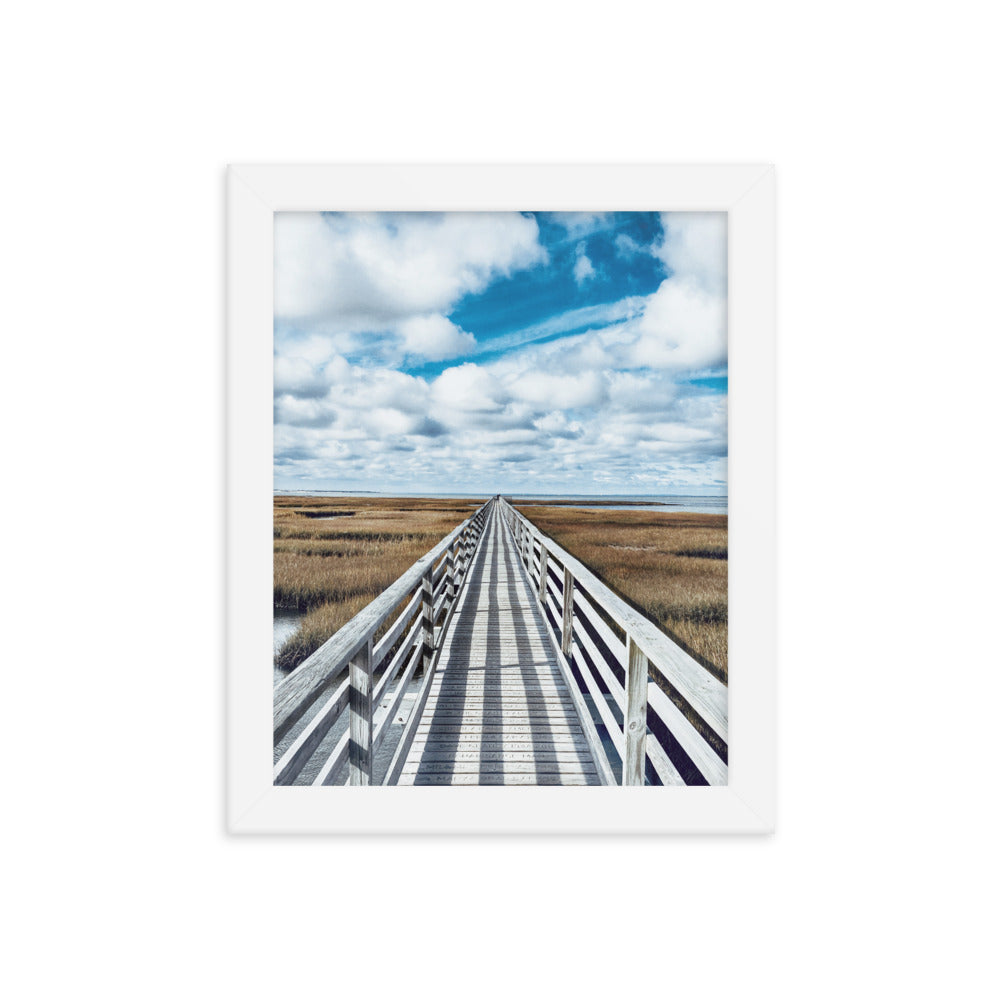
<point>695,246</point>
<point>682,326</point>
<point>365,272</point>
<point>469,387</point>
<point>434,337</point>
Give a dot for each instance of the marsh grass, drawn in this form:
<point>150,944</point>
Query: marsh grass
<point>332,568</point>
<point>673,567</point>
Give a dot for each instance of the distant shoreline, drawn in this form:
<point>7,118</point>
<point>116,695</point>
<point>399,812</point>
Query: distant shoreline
<point>647,499</point>
<point>663,503</point>
<point>594,503</point>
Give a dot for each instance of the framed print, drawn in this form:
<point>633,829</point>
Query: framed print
<point>501,484</point>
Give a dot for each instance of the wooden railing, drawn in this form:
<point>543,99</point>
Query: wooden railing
<point>607,653</point>
<point>310,700</point>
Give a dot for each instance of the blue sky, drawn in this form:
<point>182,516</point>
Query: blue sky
<point>501,352</point>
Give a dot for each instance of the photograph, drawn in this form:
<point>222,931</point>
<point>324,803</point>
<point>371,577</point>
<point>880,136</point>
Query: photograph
<point>500,498</point>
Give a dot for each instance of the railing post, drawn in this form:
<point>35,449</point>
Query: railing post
<point>360,702</point>
<point>427,618</point>
<point>636,687</point>
<point>543,576</point>
<point>567,629</point>
<point>450,574</point>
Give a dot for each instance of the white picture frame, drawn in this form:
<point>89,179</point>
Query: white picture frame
<point>748,803</point>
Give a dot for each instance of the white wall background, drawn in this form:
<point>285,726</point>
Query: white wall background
<point>119,119</point>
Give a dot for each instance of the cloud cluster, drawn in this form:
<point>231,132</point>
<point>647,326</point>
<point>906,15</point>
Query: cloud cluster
<point>391,279</point>
<point>695,246</point>
<point>580,413</point>
<point>684,324</point>
<point>597,399</point>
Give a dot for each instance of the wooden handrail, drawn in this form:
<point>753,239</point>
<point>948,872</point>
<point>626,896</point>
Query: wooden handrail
<point>571,617</point>
<point>353,648</point>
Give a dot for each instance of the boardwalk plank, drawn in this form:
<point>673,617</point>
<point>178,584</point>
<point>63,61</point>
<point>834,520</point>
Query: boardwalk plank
<point>499,779</point>
<point>499,767</point>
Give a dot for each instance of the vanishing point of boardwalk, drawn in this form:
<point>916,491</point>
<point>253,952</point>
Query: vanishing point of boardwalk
<point>499,658</point>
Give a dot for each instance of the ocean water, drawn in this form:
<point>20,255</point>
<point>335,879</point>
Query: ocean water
<point>663,502</point>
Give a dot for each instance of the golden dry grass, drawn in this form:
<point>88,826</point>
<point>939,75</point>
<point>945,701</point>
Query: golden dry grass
<point>673,567</point>
<point>332,556</point>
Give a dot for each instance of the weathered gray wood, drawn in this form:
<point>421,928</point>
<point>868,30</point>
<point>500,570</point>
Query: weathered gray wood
<point>476,686</point>
<point>587,727</point>
<point>331,768</point>
<point>498,682</point>
<point>295,757</point>
<point>600,703</point>
<point>450,559</point>
<point>384,717</point>
<point>479,698</point>
<point>462,726</point>
<point>607,675</point>
<point>589,613</point>
<point>415,718</point>
<point>540,719</point>
<point>704,693</point>
<point>361,716</point>
<point>385,643</point>
<point>571,742</point>
<point>636,683</point>
<point>567,603</point>
<point>536,701</point>
<point>428,615</point>
<point>707,695</point>
<point>534,573</point>
<point>499,779</point>
<point>399,657</point>
<point>711,767</point>
<point>500,766</point>
<point>409,730</point>
<point>296,693</point>
<point>662,764</point>
<point>528,756</point>
<point>435,611</point>
<point>543,575</point>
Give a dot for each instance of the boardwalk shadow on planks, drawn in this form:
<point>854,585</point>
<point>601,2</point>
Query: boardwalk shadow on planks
<point>498,710</point>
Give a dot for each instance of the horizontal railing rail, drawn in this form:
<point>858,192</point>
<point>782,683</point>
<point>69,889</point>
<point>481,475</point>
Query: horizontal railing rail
<point>680,736</point>
<point>309,702</point>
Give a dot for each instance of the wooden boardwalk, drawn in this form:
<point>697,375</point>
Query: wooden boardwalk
<point>498,711</point>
